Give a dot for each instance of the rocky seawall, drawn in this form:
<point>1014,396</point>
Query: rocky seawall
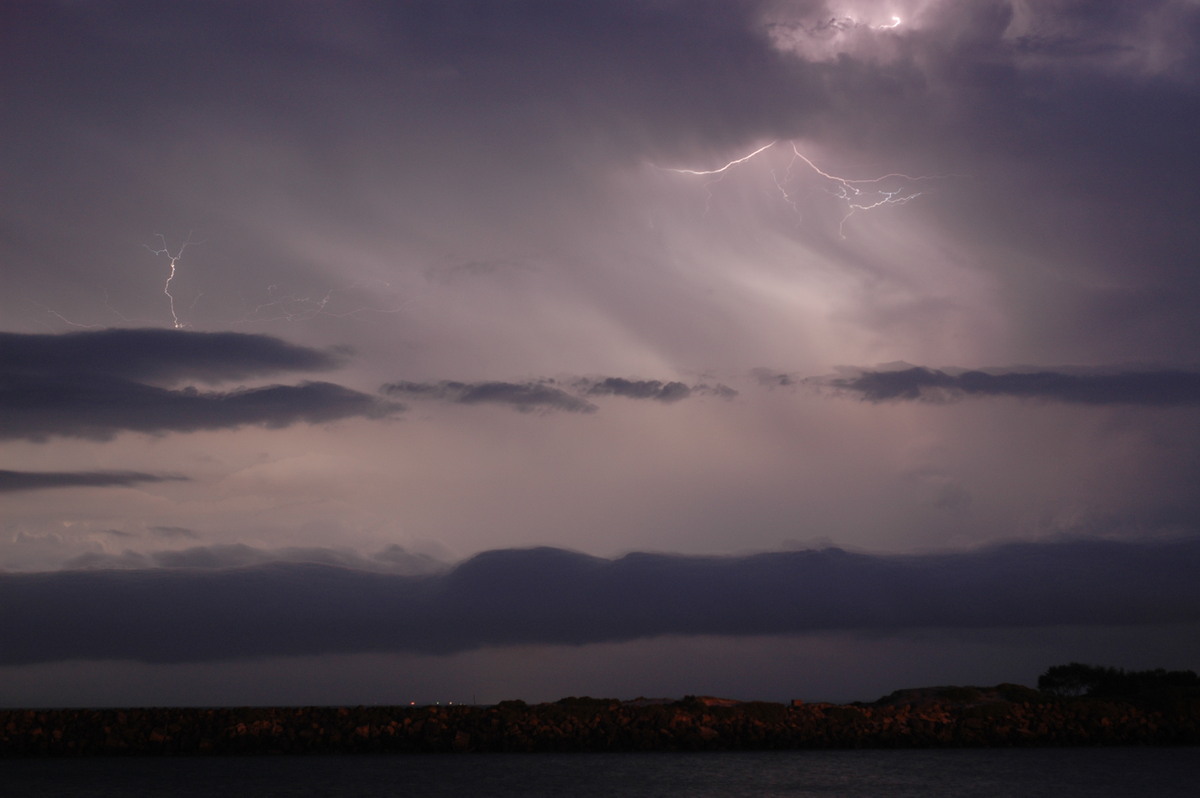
<point>1007,715</point>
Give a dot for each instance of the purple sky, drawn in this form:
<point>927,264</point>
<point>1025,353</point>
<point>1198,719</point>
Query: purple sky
<point>375,352</point>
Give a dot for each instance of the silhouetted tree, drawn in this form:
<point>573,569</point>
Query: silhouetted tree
<point>1069,680</point>
<point>1078,679</point>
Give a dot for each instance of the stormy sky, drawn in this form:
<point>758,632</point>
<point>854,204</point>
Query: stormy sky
<point>368,352</point>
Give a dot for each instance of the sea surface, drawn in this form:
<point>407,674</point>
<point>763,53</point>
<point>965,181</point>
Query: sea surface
<point>1027,773</point>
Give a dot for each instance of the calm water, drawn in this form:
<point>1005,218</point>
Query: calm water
<point>1061,773</point>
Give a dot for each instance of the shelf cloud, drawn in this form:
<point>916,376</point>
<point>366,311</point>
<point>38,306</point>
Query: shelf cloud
<point>197,610</point>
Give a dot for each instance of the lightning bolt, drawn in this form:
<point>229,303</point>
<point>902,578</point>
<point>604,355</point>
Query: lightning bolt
<point>358,298</point>
<point>857,194</point>
<point>719,172</point>
<point>171,276</point>
<point>858,199</point>
<point>51,311</point>
<point>729,165</point>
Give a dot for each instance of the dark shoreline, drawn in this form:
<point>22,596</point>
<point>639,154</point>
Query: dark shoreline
<point>951,717</point>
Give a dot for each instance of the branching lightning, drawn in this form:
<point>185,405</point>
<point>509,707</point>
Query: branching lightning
<point>60,316</point>
<point>858,194</point>
<point>729,165</point>
<point>358,298</point>
<point>859,199</point>
<point>281,306</point>
<point>171,276</point>
<point>720,171</point>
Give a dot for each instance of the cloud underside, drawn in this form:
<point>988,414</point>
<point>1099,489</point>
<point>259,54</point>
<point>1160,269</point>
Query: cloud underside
<point>548,394</point>
<point>551,596</point>
<point>98,383</point>
<point>1153,388</point>
<point>524,396</point>
<point>98,408</point>
<point>159,355</point>
<point>13,481</point>
<point>394,559</point>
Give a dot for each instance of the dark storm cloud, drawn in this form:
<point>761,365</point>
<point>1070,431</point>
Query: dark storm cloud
<point>1070,126</point>
<point>159,355</point>
<point>553,596</point>
<point>524,396</point>
<point>87,384</point>
<point>1077,130</point>
<point>12,481</point>
<point>1153,388</point>
<point>698,52</point>
<point>1099,142</point>
<point>520,73</point>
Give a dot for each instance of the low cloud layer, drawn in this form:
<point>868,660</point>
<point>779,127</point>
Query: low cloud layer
<point>637,389</point>
<point>657,390</point>
<point>159,355</point>
<point>195,612</point>
<point>393,559</point>
<point>524,396</point>
<point>1154,388</point>
<point>96,384</point>
<point>13,481</point>
<point>98,408</point>
<point>548,394</point>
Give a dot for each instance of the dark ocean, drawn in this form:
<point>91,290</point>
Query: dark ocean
<point>1020,773</point>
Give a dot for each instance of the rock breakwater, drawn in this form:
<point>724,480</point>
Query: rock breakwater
<point>1008,715</point>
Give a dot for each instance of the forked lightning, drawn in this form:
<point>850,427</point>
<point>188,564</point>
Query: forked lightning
<point>859,194</point>
<point>171,276</point>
